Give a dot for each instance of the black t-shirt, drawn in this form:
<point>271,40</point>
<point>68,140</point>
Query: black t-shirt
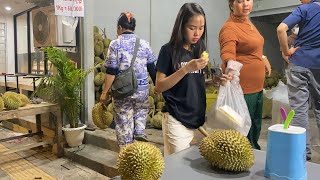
<point>185,101</point>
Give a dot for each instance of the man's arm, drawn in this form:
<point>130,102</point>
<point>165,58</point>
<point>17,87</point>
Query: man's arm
<point>283,39</point>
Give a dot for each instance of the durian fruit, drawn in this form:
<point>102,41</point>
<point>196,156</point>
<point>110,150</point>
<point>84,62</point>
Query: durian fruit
<point>98,44</point>
<point>105,52</point>
<point>156,120</point>
<point>140,161</point>
<point>110,107</point>
<point>101,117</point>
<point>95,29</point>
<point>11,100</point>
<point>107,117</point>
<point>205,55</point>
<point>97,88</point>
<point>98,48</point>
<point>24,99</point>
<point>1,104</point>
<point>106,42</point>
<point>97,60</point>
<point>99,79</point>
<point>151,90</point>
<point>160,105</point>
<point>159,98</point>
<point>148,119</point>
<point>151,103</point>
<point>228,150</point>
<point>150,80</point>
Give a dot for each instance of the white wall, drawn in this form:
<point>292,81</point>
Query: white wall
<point>155,19</point>
<point>9,66</point>
<point>267,7</point>
<point>106,14</point>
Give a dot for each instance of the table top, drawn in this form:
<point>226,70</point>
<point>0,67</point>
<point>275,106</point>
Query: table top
<point>189,165</point>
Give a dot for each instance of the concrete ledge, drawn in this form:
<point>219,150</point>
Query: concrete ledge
<point>107,139</point>
<point>96,158</point>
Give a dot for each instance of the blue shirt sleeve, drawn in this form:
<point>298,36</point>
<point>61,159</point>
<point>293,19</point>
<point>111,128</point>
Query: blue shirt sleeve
<point>295,17</point>
<point>111,61</point>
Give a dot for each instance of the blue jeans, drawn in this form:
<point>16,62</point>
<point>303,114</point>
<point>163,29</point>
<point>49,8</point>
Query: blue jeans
<point>303,83</point>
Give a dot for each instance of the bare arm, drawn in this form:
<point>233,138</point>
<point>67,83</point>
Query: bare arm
<point>283,39</point>
<point>163,83</point>
<point>106,86</point>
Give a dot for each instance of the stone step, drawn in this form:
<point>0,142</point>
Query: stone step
<point>96,158</point>
<point>106,138</point>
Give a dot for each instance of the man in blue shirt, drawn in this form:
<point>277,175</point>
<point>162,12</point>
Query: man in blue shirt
<point>304,63</point>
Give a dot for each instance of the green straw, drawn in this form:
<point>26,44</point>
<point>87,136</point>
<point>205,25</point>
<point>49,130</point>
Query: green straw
<point>288,120</point>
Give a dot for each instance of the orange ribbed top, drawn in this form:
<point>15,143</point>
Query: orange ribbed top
<point>241,41</point>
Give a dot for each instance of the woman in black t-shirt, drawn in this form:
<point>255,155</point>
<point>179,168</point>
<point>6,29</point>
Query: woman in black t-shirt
<point>181,80</point>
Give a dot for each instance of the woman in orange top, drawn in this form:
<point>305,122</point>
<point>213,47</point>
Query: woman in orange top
<point>241,41</point>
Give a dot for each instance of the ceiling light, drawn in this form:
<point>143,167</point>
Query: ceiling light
<point>8,8</point>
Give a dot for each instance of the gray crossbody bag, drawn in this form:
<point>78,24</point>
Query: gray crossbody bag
<point>125,84</point>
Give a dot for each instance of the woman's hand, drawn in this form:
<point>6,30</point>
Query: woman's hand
<point>267,65</point>
<point>103,97</point>
<point>225,78</point>
<point>292,50</point>
<point>195,65</point>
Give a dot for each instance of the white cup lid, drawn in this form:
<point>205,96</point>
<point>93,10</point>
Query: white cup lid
<point>290,130</point>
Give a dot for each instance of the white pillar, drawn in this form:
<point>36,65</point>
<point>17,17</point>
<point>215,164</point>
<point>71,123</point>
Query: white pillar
<point>88,60</point>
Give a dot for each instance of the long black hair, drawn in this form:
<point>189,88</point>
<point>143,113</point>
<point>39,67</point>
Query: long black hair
<point>187,11</point>
<point>127,21</point>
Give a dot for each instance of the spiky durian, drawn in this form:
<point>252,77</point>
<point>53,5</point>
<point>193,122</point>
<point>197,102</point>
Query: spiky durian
<point>11,100</point>
<point>100,116</point>
<point>148,121</point>
<point>151,102</point>
<point>160,105</point>
<point>151,90</point>
<point>156,120</point>
<point>97,88</point>
<point>99,79</point>
<point>140,161</point>
<point>228,150</point>
<point>24,99</point>
<point>110,107</point>
<point>106,42</point>
<point>159,98</point>
<point>1,104</point>
<point>96,29</point>
<point>150,79</point>
<point>98,60</point>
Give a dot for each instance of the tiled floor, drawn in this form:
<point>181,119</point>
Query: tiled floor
<point>39,164</point>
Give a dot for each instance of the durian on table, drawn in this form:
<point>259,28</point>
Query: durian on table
<point>140,161</point>
<point>228,150</point>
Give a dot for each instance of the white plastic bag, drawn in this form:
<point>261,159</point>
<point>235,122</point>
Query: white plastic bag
<point>230,110</point>
<point>280,97</point>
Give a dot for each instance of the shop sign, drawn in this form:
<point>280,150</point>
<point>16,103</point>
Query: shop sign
<point>72,8</point>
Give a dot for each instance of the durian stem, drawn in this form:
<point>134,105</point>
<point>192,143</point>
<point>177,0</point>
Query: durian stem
<point>203,131</point>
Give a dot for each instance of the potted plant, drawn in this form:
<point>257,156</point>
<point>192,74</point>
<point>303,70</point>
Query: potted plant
<point>64,88</point>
